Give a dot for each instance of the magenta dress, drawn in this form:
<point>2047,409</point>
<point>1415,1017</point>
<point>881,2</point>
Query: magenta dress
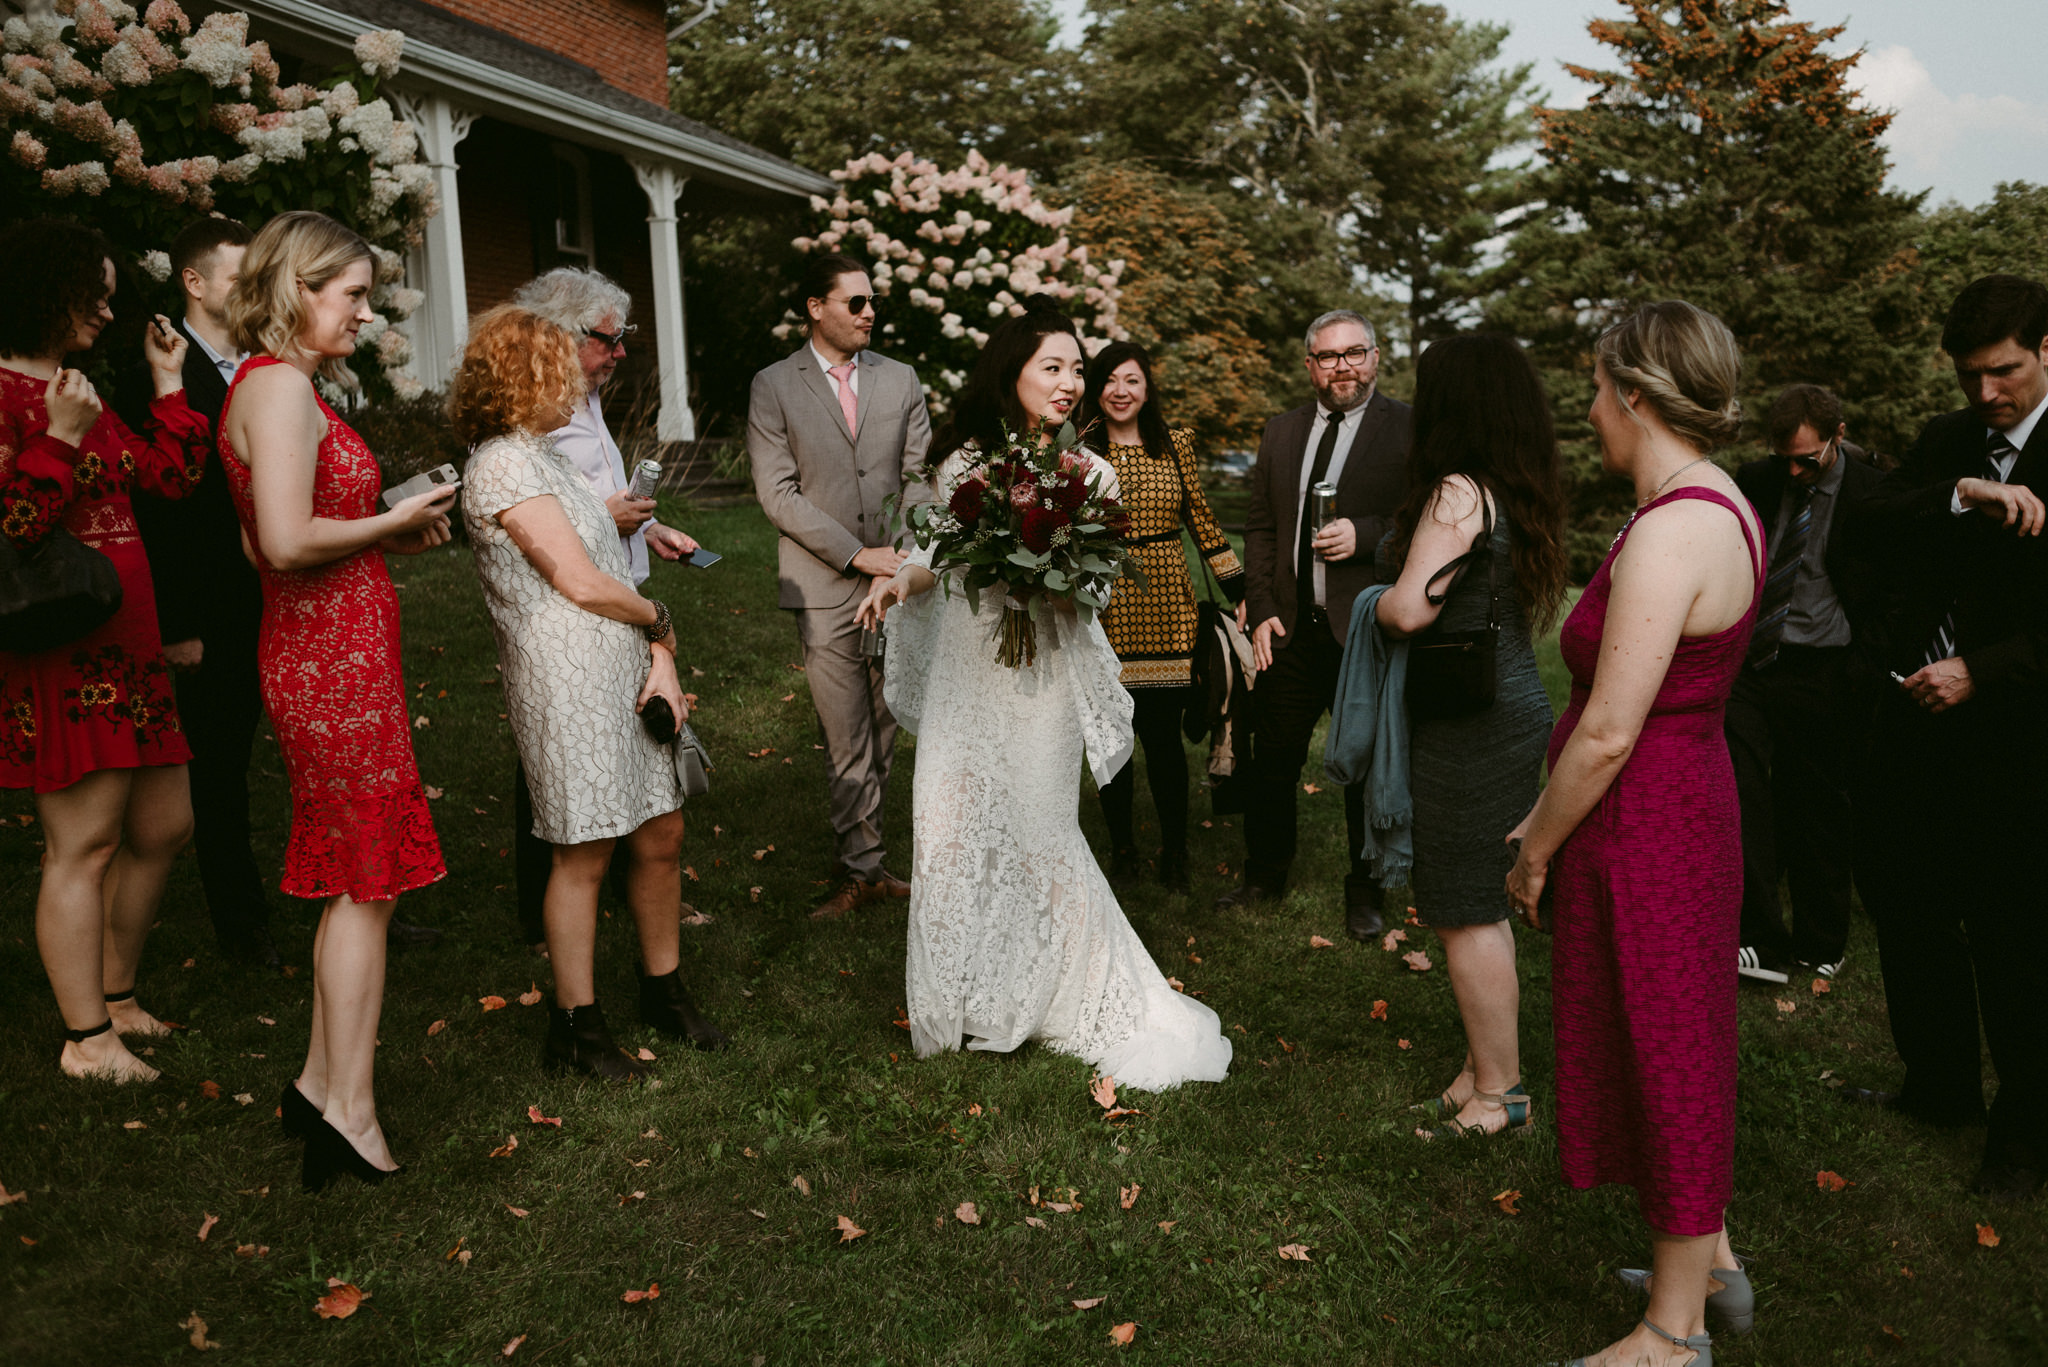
<point>1648,901</point>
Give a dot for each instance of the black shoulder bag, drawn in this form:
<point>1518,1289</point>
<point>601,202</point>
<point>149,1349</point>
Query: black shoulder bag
<point>1451,673</point>
<point>54,593</point>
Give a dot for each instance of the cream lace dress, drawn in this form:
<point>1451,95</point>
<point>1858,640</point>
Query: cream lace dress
<point>572,678</point>
<point>1014,932</point>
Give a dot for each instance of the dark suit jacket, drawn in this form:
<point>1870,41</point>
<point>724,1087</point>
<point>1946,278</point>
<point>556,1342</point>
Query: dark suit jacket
<point>1369,493</point>
<point>1857,567</point>
<point>1996,581</point>
<point>204,586</point>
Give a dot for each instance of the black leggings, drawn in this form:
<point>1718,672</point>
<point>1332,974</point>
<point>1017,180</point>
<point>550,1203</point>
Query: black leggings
<point>1156,717</point>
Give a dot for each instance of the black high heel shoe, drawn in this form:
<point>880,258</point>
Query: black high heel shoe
<point>667,1005</point>
<point>299,1116</point>
<point>329,1154</point>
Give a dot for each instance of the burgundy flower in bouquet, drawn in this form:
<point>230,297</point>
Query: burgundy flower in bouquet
<point>1036,523</point>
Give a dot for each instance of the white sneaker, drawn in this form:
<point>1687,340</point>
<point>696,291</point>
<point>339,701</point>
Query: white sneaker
<point>1824,970</point>
<point>1750,964</point>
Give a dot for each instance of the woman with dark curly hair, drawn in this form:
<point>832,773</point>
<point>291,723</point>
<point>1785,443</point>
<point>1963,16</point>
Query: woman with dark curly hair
<point>583,653</point>
<point>90,725</point>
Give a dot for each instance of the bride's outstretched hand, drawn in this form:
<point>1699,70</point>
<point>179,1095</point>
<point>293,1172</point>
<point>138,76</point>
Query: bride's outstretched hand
<point>883,594</point>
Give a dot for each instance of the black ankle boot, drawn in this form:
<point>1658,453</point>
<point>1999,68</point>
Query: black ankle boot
<point>580,1041</point>
<point>1173,870</point>
<point>665,1004</point>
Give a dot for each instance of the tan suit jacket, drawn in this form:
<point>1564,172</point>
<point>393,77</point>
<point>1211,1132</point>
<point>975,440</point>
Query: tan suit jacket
<point>823,486</point>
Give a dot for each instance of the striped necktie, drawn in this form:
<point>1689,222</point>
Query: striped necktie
<point>1997,447</point>
<point>1777,601</point>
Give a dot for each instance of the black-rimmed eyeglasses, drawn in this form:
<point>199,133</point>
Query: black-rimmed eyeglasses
<point>1328,360</point>
<point>614,340</point>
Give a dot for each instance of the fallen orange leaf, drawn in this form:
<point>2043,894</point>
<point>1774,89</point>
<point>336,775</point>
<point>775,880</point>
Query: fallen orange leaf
<point>1318,942</point>
<point>1035,1222</point>
<point>1166,1226</point>
<point>197,1325</point>
<point>517,1212</point>
<point>646,1055</point>
<point>632,1196</point>
<point>206,1226</point>
<point>1413,919</point>
<point>803,1187</point>
<point>1506,1201</point>
<point>1103,1089</point>
<point>533,1114</point>
<point>789,697</point>
<point>1124,1332</point>
<point>1176,984</point>
<point>1392,938</point>
<point>210,1090</point>
<point>848,1230</point>
<point>433,794</point>
<point>452,1253</point>
<point>1310,788</point>
<point>436,1028</point>
<point>1090,1303</point>
<point>1128,1196</point>
<point>31,1243</point>
<point>8,1198</point>
<point>652,1293</point>
<point>491,1003</point>
<point>690,872</point>
<point>511,1143</point>
<point>531,996</point>
<point>1379,1011</point>
<point>966,1214</point>
<point>974,1108</point>
<point>1295,1252</point>
<point>1786,1008</point>
<point>135,1124</point>
<point>1831,1181</point>
<point>265,1019</point>
<point>342,1300</point>
<point>1285,1045</point>
<point>1403,1044</point>
<point>509,1349</point>
<point>1821,987</point>
<point>1987,1236</point>
<point>1417,960</point>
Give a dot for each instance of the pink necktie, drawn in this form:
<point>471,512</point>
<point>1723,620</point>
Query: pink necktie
<point>842,375</point>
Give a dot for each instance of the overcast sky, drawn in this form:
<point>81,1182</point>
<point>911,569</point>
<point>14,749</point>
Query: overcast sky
<point>1964,75</point>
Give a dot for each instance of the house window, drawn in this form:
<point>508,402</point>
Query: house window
<point>574,244</point>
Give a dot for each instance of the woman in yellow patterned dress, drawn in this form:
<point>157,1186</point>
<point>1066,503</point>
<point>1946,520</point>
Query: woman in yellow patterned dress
<point>1153,628</point>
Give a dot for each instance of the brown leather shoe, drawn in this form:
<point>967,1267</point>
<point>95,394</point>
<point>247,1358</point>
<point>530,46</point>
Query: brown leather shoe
<point>845,898</point>
<point>887,884</point>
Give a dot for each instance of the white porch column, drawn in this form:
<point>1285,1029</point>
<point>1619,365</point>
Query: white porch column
<point>441,326</point>
<point>664,185</point>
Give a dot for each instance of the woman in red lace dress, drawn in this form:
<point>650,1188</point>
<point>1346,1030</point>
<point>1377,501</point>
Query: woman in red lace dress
<point>1639,835</point>
<point>90,725</point>
<point>306,490</point>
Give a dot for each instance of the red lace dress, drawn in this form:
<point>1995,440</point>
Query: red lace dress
<point>328,659</point>
<point>102,701</point>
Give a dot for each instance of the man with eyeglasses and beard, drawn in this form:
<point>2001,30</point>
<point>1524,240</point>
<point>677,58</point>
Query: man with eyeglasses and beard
<point>834,432</point>
<point>1807,692</point>
<point>1300,582</point>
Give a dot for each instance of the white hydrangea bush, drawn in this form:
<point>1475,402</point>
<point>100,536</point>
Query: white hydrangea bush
<point>952,251</point>
<point>136,119</point>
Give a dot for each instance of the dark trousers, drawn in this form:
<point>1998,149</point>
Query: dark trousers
<point>220,704</point>
<point>1155,717</point>
<point>1789,734</point>
<point>1289,700</point>
<point>1947,860</point>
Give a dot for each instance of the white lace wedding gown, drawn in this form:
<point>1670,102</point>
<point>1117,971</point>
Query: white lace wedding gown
<point>1014,932</point>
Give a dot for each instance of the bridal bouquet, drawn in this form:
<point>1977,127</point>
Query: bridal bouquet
<point>1034,522</point>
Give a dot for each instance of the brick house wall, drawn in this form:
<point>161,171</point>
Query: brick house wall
<point>623,41</point>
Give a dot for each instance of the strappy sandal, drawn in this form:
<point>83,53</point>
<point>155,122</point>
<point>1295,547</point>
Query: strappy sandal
<point>1520,1108</point>
<point>1734,1304</point>
<point>1702,1347</point>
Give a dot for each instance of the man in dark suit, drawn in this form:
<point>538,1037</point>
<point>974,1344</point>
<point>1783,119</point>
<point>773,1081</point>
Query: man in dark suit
<point>1300,582</point>
<point>1949,825</point>
<point>209,604</point>
<point>1799,709</point>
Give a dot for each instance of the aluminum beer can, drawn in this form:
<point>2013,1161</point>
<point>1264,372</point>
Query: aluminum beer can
<point>1322,505</point>
<point>646,477</point>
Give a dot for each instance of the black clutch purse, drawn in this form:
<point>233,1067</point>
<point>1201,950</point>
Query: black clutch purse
<point>1451,673</point>
<point>54,593</point>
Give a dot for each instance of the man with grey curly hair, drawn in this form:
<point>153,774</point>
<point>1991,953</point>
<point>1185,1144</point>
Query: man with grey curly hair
<point>593,309</point>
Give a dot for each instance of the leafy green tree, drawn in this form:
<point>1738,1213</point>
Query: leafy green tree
<point>1726,160</point>
<point>1362,143</point>
<point>2007,235</point>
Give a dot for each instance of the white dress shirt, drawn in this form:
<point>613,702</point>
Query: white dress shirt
<point>2017,435</point>
<point>1347,433</point>
<point>226,365</point>
<point>825,369</point>
<point>588,444</point>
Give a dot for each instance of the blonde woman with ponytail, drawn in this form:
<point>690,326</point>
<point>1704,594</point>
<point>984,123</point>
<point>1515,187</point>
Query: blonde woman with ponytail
<point>1632,854</point>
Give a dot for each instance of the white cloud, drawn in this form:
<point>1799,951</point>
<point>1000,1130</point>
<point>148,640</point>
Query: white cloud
<point>1961,145</point>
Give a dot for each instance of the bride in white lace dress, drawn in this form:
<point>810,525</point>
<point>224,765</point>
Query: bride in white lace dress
<point>1014,932</point>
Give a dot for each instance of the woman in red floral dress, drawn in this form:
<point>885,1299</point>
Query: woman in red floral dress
<point>90,725</point>
<point>306,488</point>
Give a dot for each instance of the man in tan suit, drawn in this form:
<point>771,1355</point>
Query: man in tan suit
<point>834,431</point>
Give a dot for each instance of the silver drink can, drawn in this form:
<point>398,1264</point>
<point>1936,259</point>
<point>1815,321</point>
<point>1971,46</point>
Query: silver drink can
<point>1322,505</point>
<point>646,478</point>
<point>873,644</point>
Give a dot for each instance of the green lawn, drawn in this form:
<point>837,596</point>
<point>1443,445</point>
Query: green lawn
<point>693,1182</point>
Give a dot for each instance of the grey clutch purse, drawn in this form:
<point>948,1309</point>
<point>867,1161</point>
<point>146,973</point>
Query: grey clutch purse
<point>693,763</point>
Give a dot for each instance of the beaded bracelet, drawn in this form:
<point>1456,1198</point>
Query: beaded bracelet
<point>662,626</point>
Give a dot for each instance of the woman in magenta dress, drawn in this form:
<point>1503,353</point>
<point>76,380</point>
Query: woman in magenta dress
<point>90,725</point>
<point>1637,835</point>
<point>306,490</point>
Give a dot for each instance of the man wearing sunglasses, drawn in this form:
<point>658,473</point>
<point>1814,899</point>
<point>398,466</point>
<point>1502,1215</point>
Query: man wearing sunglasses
<point>834,432</point>
<point>1794,719</point>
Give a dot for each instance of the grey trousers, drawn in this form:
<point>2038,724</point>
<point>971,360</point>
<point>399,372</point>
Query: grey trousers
<point>860,735</point>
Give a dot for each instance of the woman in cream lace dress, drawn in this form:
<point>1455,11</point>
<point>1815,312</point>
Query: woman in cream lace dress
<point>1014,932</point>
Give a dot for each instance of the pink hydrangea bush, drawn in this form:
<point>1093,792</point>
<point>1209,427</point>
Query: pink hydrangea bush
<point>952,251</point>
<point>135,121</point>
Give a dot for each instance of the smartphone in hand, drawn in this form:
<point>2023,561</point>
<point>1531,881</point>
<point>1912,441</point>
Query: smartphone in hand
<point>703,559</point>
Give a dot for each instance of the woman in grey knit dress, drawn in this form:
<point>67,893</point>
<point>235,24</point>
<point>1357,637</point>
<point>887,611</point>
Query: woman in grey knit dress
<point>1484,453</point>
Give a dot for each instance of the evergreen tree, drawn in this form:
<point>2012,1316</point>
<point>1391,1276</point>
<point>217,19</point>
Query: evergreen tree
<point>1726,160</point>
<point>2008,235</point>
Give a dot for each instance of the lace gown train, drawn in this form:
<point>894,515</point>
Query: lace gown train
<point>1014,933</point>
